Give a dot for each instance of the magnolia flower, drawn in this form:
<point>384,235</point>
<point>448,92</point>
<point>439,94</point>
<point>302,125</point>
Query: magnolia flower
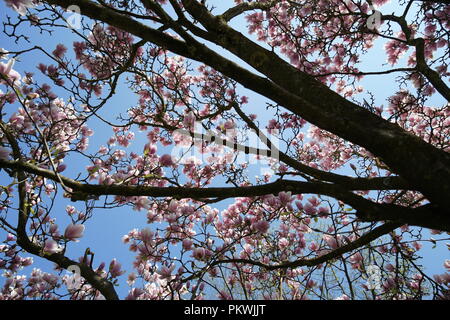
<point>199,253</point>
<point>261,226</point>
<point>313,246</point>
<point>283,243</point>
<point>187,244</point>
<point>20,5</point>
<point>51,246</point>
<point>389,267</point>
<point>7,71</point>
<point>331,241</point>
<point>115,268</point>
<point>173,205</point>
<point>149,149</point>
<point>11,237</point>
<point>311,284</point>
<point>228,125</point>
<point>309,209</point>
<point>4,153</point>
<point>285,197</point>
<point>209,218</point>
<point>59,51</point>
<point>166,272</point>
<point>134,294</point>
<point>356,258</point>
<point>146,235</point>
<point>74,231</point>
<point>166,160</point>
<point>189,120</point>
<point>61,168</point>
<point>447,264</point>
<point>131,278</point>
<point>3,53</point>
<point>142,203</point>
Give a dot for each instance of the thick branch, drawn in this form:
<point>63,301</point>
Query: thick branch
<point>379,183</point>
<point>349,183</point>
<point>366,209</point>
<point>246,6</point>
<point>418,162</point>
<point>362,241</point>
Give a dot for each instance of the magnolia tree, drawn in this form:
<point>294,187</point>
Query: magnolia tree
<point>328,191</point>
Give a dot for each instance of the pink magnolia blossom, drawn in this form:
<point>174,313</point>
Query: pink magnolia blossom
<point>187,244</point>
<point>224,295</point>
<point>199,253</point>
<point>356,259</point>
<point>417,245</point>
<point>51,246</point>
<point>166,160</point>
<point>170,95</point>
<point>146,235</point>
<point>313,246</point>
<point>131,278</point>
<point>189,120</point>
<point>442,278</point>
<point>309,209</point>
<point>7,70</point>
<point>142,203</point>
<point>3,53</point>
<point>389,267</point>
<point>261,226</point>
<point>115,268</point>
<point>283,243</point>
<point>173,206</point>
<point>59,51</point>
<point>166,272</point>
<point>331,241</point>
<point>447,264</point>
<point>74,231</point>
<point>20,5</point>
<point>244,100</point>
<point>285,197</point>
<point>228,125</point>
<point>10,237</point>
<point>311,283</point>
<point>61,168</point>
<point>4,153</point>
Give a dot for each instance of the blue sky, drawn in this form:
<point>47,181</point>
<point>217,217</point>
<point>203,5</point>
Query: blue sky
<point>105,229</point>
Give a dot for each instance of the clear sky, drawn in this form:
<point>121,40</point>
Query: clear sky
<point>105,229</point>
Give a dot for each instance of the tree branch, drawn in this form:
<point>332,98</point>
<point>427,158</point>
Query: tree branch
<point>328,110</point>
<point>366,209</point>
<point>99,283</point>
<point>363,240</point>
<point>421,164</point>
